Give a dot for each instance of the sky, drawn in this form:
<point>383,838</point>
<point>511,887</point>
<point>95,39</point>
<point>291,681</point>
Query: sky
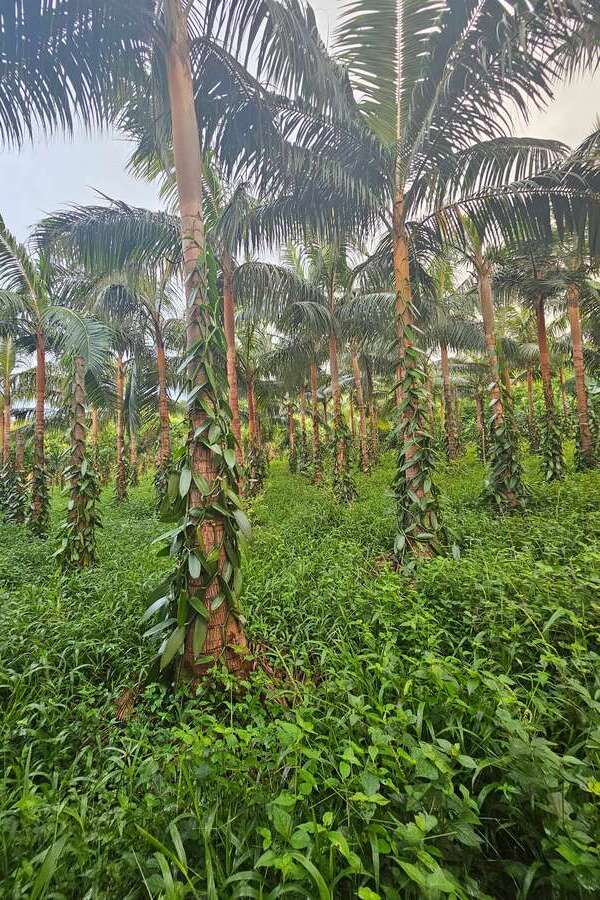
<point>59,171</point>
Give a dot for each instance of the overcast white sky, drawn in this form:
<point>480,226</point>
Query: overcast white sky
<point>54,173</point>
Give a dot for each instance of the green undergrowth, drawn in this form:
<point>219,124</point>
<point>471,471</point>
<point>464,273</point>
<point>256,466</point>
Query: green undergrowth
<point>432,735</point>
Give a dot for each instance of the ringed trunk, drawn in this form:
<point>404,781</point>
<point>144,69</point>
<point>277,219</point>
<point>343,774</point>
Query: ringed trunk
<point>121,485</point>
<point>449,419</point>
<point>229,328</point>
<point>224,635</point>
<point>164,451</point>
<point>362,419</point>
<point>581,394</point>
<point>316,439</point>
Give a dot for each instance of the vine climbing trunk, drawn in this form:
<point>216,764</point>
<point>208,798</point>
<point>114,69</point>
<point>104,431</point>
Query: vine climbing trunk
<point>164,449</point>
<point>480,422</point>
<point>95,430</point>
<point>533,443</point>
<point>7,419</point>
<point>360,403</point>
<point>221,636</point>
<point>39,511</point>
<point>449,420</point>
<point>505,479</point>
<point>563,393</point>
<point>19,451</point>
<point>418,527</point>
<point>121,481</point>
<point>229,327</point>
<point>316,439</point>
<point>581,394</point>
<point>552,444</point>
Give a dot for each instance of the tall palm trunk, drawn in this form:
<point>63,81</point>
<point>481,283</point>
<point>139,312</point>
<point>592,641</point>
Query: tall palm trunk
<point>553,460</point>
<point>19,451</point>
<point>224,632</point>
<point>7,419</point>
<point>480,422</point>
<point>449,418</point>
<point>80,549</point>
<point>341,480</point>
<point>291,430</point>
<point>362,418</point>
<point>303,440</point>
<point>94,430</point>
<point>581,394</point>
<point>505,469</point>
<point>38,517</point>
<point>373,435</point>
<point>316,438</point>
<point>531,423</point>
<point>121,481</point>
<point>229,327</point>
<point>252,416</point>
<point>418,527</point>
<point>351,416</point>
<point>164,451</point>
<point>133,456</point>
<point>563,393</point>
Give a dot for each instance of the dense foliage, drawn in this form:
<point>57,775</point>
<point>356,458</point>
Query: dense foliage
<point>433,734</point>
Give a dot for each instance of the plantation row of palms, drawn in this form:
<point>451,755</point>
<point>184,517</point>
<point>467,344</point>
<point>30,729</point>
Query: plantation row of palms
<point>415,226</point>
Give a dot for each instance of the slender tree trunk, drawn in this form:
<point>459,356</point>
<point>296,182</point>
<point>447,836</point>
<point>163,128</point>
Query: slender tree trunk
<point>325,419</point>
<point>581,394</point>
<point>489,330</point>
<point>19,451</point>
<point>362,419</point>
<point>7,420</point>
<point>2,427</point>
<point>82,539</point>
<point>458,419</point>
<point>133,456</point>
<point>545,369</point>
<point>563,392</point>
<point>95,430</point>
<point>417,508</point>
<point>229,327</point>
<point>316,440</point>
<point>373,435</point>
<point>505,472</point>
<point>121,482</point>
<point>337,400</point>
<point>291,430</point>
<point>38,517</point>
<point>479,418</point>
<point>449,418</point>
<point>552,441</point>
<point>530,405</point>
<point>302,405</point>
<point>164,451</point>
<point>224,631</point>
<point>351,414</point>
<point>252,418</point>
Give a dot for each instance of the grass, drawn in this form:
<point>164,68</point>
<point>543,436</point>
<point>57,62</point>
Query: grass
<point>436,736</point>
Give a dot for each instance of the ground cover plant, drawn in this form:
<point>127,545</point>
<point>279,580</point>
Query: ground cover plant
<point>430,735</point>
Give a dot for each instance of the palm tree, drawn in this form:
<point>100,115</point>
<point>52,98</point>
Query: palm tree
<point>85,344</point>
<point>25,301</point>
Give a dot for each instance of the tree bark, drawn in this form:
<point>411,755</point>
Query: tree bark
<point>449,427</point>
<point>229,327</point>
<point>351,415</point>
<point>373,435</point>
<point>224,632</point>
<point>38,510</point>
<point>19,451</point>
<point>563,393</point>
<point>316,439</point>
<point>581,394</point>
<point>362,419</point>
<point>164,451</point>
<point>545,369</point>
<point>121,483</point>
<point>291,429</point>
<point>530,405</point>
<point>7,419</point>
<point>479,418</point>
<point>337,400</point>
<point>95,430</point>
<point>489,329</point>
